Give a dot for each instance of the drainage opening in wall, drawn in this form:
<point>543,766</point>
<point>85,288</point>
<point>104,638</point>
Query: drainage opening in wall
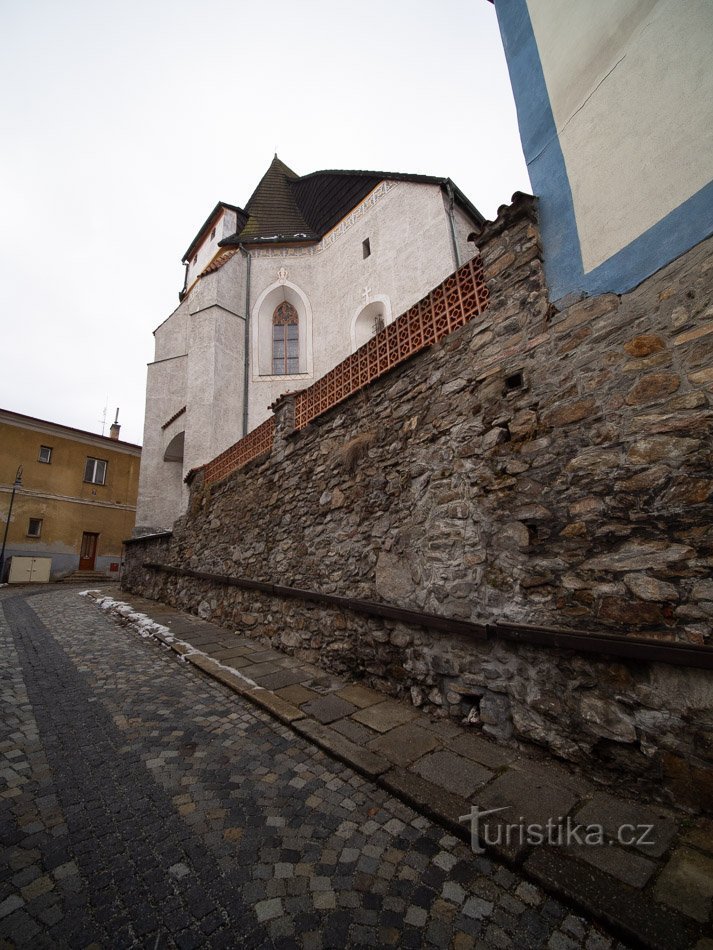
<point>514,381</point>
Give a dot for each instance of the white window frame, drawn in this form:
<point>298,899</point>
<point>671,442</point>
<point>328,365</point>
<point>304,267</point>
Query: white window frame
<point>95,471</point>
<point>48,450</point>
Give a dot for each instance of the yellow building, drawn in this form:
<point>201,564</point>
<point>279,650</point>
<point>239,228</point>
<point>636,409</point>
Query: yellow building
<point>76,496</point>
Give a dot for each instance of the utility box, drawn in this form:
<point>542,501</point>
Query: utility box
<point>30,570</point>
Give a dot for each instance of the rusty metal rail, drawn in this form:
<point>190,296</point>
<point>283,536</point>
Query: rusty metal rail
<point>600,643</point>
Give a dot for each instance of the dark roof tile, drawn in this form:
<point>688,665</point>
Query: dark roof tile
<point>289,208</point>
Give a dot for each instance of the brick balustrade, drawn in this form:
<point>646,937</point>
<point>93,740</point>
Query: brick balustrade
<point>453,303</point>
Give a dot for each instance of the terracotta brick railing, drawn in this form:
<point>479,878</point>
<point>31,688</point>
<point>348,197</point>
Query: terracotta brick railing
<point>453,303</point>
<point>459,298</point>
<point>254,444</point>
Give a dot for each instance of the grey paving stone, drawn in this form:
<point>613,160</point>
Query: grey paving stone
<point>11,904</point>
<point>614,814</point>
<point>481,750</point>
<point>267,656</point>
<point>360,696</point>
<point>453,772</point>
<point>268,909</point>
<point>686,884</point>
<point>385,715</point>
<point>445,728</point>
<point>254,670</point>
<point>527,797</point>
<point>353,731</point>
<point>328,708</point>
<point>237,661</point>
<point>623,864</point>
<point>276,681</point>
<point>478,908</point>
<point>404,744</point>
<point>297,694</point>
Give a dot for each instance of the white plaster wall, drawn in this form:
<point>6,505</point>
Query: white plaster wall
<point>463,227</point>
<point>215,371</point>
<point>206,251</point>
<point>171,336</point>
<point>200,347</point>
<point>161,498</point>
<point>224,288</point>
<point>362,326</point>
<point>619,73</point>
<point>411,252</point>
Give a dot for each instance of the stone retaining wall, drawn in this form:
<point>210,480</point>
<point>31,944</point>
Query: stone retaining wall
<point>535,466</point>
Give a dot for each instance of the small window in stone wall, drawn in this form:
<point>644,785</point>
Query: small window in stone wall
<point>366,248</point>
<point>45,454</point>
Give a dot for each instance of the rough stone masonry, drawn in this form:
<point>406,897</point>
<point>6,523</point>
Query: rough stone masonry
<point>541,465</point>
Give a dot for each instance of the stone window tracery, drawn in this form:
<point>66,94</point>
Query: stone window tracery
<point>285,340</point>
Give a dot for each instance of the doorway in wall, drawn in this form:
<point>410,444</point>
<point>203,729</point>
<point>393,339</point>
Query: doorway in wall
<point>88,552</point>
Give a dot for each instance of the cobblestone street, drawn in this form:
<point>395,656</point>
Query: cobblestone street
<point>145,805</point>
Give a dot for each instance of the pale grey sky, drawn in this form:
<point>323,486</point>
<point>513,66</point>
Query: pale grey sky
<point>123,122</point>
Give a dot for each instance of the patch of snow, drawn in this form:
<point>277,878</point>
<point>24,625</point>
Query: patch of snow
<point>245,679</point>
<point>148,628</point>
<point>145,626</point>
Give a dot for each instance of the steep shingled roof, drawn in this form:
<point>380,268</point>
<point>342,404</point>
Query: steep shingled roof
<point>289,208</point>
<point>273,208</point>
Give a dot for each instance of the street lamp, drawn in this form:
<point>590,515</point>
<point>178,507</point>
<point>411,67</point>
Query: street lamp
<point>18,482</point>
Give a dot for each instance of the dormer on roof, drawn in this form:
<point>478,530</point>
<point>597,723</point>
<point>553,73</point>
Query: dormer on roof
<point>223,221</point>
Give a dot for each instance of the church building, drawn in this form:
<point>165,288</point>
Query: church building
<point>278,293</point>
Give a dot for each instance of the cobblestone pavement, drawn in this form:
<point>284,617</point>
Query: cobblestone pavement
<point>145,805</point>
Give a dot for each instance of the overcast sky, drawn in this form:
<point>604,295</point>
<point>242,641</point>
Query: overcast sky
<point>123,122</point>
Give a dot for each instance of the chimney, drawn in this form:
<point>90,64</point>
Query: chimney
<point>115,428</point>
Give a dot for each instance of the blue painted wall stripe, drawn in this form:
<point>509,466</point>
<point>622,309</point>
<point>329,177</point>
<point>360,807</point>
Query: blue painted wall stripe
<point>687,225</point>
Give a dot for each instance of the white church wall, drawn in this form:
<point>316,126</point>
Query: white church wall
<point>161,492</point>
<point>411,252</point>
<point>216,348</point>
<point>464,227</point>
<point>330,285</point>
<point>228,389</point>
<point>170,337</point>
<point>224,226</point>
<point>369,319</point>
<point>224,288</point>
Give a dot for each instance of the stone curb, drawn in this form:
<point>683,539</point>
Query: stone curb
<point>624,910</point>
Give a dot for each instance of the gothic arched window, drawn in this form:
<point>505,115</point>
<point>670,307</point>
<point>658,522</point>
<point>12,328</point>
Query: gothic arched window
<point>285,340</point>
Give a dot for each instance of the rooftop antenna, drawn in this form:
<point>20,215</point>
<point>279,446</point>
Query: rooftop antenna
<point>106,409</point>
